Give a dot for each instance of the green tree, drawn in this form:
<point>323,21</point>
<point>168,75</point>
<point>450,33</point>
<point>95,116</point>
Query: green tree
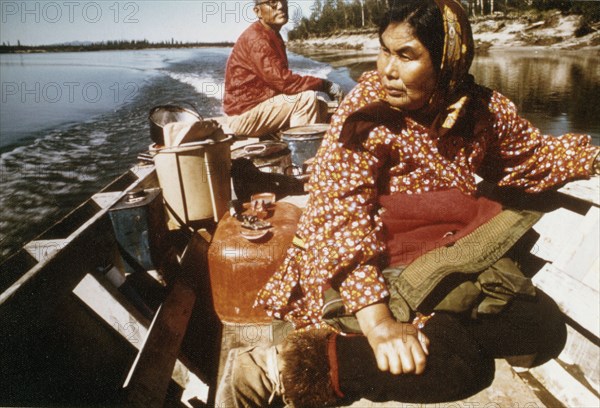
<point>330,15</point>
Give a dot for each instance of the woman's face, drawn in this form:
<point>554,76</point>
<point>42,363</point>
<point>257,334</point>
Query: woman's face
<point>405,67</point>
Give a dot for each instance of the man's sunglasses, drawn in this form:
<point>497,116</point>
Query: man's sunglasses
<point>272,3</point>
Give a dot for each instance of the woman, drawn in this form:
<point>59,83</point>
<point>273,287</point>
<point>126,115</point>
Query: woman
<point>400,159</point>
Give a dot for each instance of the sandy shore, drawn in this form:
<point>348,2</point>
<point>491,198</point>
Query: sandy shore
<point>555,32</point>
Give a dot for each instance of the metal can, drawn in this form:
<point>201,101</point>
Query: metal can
<point>304,142</point>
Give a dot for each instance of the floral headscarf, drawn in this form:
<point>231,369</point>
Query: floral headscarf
<point>458,46</point>
<point>454,82</point>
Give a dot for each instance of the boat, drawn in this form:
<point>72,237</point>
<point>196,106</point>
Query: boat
<point>78,329</point>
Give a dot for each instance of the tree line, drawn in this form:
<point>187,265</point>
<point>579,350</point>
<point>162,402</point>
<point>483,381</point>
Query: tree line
<point>330,16</point>
<point>106,46</point>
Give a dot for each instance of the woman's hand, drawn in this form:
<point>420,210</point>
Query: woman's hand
<point>399,348</point>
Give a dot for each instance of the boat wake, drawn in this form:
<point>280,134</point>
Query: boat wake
<point>50,169</point>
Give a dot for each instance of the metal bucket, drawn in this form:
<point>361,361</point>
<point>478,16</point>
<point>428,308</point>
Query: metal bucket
<point>159,116</point>
<point>304,142</point>
<point>268,156</point>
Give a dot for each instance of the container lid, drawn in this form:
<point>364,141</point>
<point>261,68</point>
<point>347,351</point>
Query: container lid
<point>136,198</point>
<point>262,149</point>
<point>307,131</point>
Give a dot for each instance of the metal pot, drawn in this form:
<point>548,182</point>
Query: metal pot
<point>159,116</point>
<point>268,156</point>
<point>304,142</point>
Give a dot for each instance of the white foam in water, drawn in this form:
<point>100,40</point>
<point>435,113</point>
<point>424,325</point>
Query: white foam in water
<point>214,87</point>
<point>98,138</point>
<point>320,72</point>
<point>205,84</point>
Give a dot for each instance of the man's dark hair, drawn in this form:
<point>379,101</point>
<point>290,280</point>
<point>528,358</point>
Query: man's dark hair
<point>426,19</point>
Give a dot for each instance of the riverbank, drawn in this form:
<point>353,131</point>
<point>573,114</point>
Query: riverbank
<point>553,30</point>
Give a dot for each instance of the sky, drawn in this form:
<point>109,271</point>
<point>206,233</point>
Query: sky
<point>51,22</point>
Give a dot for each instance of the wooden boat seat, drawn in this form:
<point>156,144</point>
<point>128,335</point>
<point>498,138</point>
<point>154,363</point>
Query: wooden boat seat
<point>239,268</point>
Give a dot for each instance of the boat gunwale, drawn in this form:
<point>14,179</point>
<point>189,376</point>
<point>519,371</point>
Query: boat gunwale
<point>142,172</point>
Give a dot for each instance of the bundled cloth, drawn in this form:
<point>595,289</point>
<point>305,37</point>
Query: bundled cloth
<point>178,133</point>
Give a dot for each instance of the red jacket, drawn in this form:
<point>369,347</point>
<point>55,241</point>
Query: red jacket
<point>257,70</point>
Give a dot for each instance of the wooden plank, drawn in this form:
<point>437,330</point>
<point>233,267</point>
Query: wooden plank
<point>579,254</point>
<point>193,387</point>
<point>106,200</point>
<point>582,358</point>
<point>149,378</point>
<point>44,249</point>
<point>133,327</point>
<point>556,231</point>
<point>576,300</point>
<point>140,349</point>
<point>591,277</point>
<point>586,190</point>
<point>563,226</point>
<point>563,386</point>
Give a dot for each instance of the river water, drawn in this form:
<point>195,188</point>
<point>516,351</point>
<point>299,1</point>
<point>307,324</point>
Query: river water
<point>556,90</point>
<point>72,122</point>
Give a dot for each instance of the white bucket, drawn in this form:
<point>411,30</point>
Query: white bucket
<point>195,179</point>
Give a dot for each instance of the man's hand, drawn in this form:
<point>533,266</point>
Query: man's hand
<point>334,91</point>
<point>399,348</point>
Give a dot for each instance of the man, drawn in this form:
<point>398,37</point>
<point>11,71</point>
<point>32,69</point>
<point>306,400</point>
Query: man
<point>262,95</point>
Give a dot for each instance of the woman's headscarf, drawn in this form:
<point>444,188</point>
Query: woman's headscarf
<point>454,80</point>
<point>462,105</point>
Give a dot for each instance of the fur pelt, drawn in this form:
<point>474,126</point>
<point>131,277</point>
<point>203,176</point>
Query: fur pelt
<point>305,376</point>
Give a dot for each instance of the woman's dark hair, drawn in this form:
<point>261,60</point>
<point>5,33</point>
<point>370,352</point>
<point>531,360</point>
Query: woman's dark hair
<point>426,19</point>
